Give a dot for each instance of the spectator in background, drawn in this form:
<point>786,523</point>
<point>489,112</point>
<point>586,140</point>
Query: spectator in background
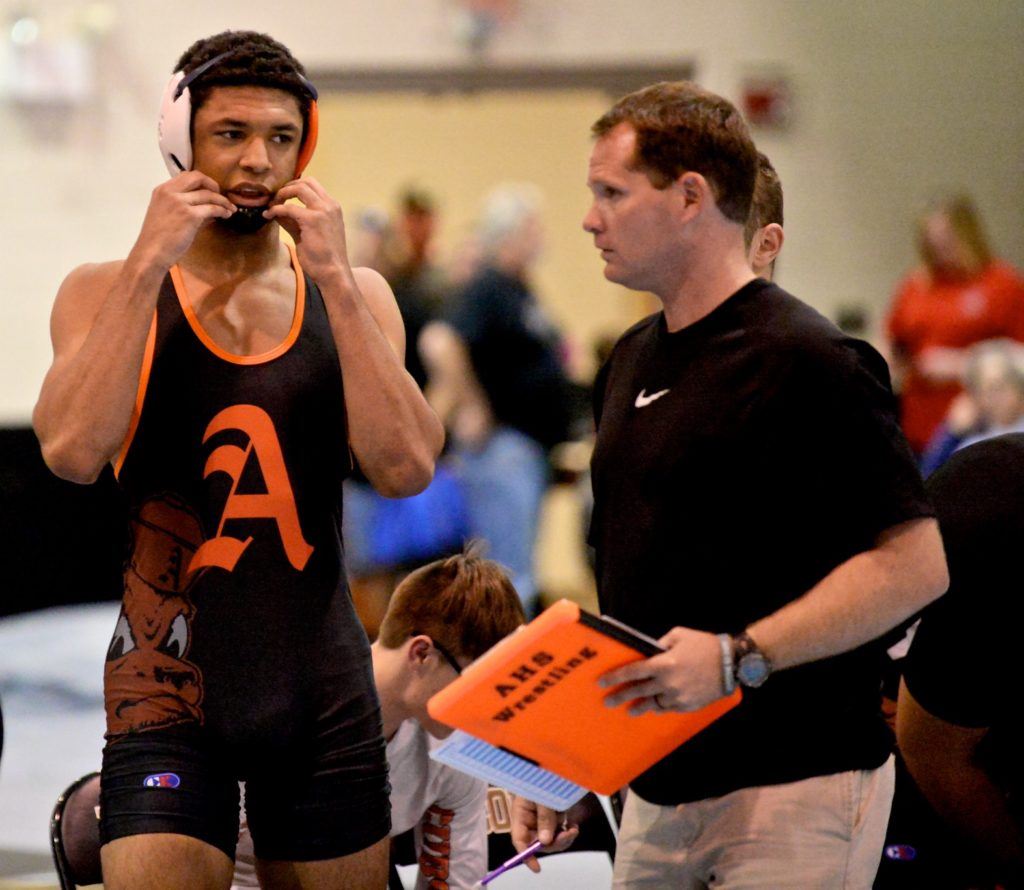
<point>419,284</point>
<point>497,381</point>
<point>384,538</point>
<point>992,402</point>
<point>959,296</point>
<point>958,722</point>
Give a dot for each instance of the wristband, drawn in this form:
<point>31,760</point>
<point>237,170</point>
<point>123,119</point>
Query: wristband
<point>728,671</point>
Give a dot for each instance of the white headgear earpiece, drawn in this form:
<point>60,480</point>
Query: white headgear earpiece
<point>174,127</point>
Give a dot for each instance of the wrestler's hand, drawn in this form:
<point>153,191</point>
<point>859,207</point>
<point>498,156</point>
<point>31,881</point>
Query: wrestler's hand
<point>687,676</point>
<point>178,209</point>
<point>532,822</point>
<point>316,224</point>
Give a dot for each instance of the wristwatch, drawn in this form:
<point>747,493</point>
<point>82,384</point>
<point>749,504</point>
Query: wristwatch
<point>750,665</point>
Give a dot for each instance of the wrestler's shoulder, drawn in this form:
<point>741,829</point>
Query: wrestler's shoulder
<point>91,276</point>
<point>83,290</point>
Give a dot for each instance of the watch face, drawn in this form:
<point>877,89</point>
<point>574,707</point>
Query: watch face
<point>753,669</point>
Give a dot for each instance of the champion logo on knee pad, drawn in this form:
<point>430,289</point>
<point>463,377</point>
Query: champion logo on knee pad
<point>900,852</point>
<point>162,780</point>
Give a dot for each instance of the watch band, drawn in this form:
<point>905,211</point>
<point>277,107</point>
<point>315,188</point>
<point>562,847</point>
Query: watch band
<point>743,643</point>
<point>728,668</point>
<point>751,666</point>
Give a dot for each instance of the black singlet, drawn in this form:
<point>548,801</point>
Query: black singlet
<point>236,618</point>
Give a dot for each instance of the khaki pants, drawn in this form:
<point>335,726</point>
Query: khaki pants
<point>825,832</point>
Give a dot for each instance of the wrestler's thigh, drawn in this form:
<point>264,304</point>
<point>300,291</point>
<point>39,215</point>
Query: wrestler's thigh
<point>164,862</point>
<point>365,869</point>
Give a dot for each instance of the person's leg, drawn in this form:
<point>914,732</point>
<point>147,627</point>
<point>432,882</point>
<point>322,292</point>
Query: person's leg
<point>320,814</point>
<point>168,813</point>
<point>653,846</point>
<point>504,484</point>
<point>823,832</point>
<point>366,869</point>
<point>164,862</point>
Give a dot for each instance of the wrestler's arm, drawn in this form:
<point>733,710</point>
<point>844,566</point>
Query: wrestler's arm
<point>941,757</point>
<point>98,328</point>
<point>99,325</point>
<point>393,432</point>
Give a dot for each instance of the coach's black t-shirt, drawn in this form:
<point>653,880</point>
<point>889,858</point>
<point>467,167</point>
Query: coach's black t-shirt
<point>738,461</point>
<point>963,664</point>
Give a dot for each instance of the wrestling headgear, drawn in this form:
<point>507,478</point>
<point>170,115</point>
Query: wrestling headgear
<point>174,129</point>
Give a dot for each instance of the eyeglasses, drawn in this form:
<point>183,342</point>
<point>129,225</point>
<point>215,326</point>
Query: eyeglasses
<point>444,653</point>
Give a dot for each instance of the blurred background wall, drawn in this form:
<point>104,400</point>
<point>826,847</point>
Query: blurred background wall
<point>873,107</point>
<point>891,103</point>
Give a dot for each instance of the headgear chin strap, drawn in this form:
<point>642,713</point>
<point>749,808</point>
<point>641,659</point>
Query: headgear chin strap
<point>174,128</point>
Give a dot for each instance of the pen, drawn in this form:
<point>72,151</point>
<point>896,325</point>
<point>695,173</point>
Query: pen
<point>511,863</point>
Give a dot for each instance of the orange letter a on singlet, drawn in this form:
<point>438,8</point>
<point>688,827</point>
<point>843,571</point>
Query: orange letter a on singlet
<point>278,503</point>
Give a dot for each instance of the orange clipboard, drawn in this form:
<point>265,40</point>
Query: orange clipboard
<point>535,694</point>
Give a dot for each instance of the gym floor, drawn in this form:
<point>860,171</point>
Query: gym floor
<point>51,675</point>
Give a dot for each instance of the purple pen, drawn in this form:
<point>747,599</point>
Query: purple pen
<point>518,859</point>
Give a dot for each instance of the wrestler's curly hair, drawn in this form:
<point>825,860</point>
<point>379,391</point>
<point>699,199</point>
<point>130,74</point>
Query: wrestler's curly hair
<point>256,60</point>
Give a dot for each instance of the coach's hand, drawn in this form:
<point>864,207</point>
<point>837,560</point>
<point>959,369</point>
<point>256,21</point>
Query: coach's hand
<point>177,210</point>
<point>532,822</point>
<point>687,676</point>
<point>317,227</point>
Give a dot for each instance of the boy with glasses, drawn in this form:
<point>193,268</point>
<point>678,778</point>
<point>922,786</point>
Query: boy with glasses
<point>441,618</point>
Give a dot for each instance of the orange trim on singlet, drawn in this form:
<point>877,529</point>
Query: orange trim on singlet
<point>220,352</point>
<point>140,397</point>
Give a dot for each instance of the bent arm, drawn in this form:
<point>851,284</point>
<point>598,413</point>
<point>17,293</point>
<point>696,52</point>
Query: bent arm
<point>393,432</point>
<point>941,759</point>
<point>452,835</point>
<point>857,602</point>
<point>860,599</point>
<point>99,326</point>
<point>453,389</point>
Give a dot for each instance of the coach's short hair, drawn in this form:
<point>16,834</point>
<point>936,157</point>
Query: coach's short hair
<point>682,127</point>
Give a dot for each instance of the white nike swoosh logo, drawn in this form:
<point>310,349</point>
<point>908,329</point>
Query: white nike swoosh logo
<point>642,401</point>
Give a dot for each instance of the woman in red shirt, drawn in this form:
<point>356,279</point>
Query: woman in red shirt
<point>958,296</point>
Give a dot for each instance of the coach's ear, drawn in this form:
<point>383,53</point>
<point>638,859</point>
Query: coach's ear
<point>694,194</point>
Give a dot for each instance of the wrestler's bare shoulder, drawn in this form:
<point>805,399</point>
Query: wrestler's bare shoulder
<point>370,281</point>
<point>83,291</point>
<point>85,280</point>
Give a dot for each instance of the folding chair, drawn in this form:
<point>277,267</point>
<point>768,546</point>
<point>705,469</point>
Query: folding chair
<point>75,833</point>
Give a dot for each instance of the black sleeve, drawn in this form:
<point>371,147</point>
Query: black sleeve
<point>960,665</point>
<point>849,442</point>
